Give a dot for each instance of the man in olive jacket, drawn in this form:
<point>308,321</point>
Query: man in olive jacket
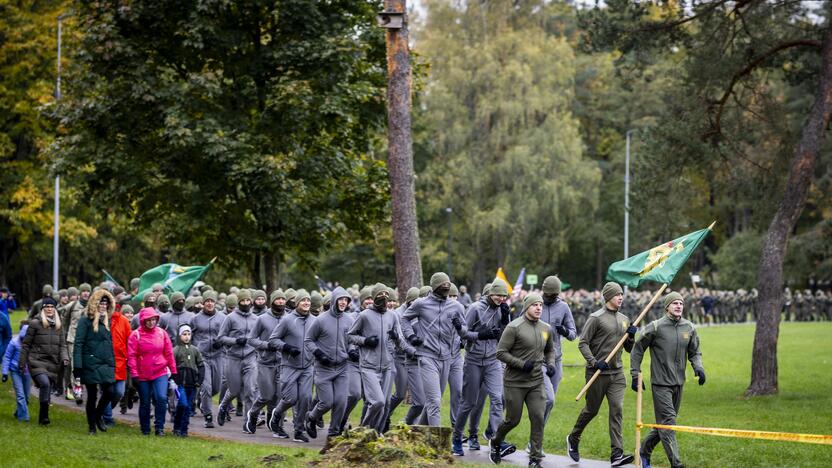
<point>602,331</point>
<point>525,347</point>
<point>672,340</point>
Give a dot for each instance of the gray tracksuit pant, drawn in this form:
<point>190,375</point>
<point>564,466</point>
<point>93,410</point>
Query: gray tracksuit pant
<point>268,387</point>
<point>211,382</point>
<point>484,375</point>
<point>296,392</point>
<point>552,384</point>
<point>242,377</point>
<point>330,383</point>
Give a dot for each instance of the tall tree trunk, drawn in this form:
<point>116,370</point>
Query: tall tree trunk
<point>271,261</point>
<point>599,263</point>
<point>256,279</point>
<point>775,243</point>
<point>400,155</point>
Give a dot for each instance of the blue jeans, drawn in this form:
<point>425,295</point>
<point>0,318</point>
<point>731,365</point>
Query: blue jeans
<point>118,392</point>
<point>157,390</point>
<point>21,384</point>
<point>187,397</point>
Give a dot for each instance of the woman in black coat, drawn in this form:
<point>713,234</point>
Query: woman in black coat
<point>44,351</point>
<point>93,357</point>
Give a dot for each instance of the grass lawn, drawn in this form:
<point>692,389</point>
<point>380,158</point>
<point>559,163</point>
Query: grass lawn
<point>804,404</point>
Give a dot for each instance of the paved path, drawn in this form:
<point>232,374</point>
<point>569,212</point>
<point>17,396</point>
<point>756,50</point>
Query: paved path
<point>233,431</point>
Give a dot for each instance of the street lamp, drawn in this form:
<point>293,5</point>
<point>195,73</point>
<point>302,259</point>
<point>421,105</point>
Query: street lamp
<point>627,201</point>
<point>448,211</point>
<point>57,224</point>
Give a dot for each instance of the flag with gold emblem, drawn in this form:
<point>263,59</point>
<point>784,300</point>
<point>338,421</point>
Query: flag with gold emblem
<point>659,264</point>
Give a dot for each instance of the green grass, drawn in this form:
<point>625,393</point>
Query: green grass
<point>804,404</point>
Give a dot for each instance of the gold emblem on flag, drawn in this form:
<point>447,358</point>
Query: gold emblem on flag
<point>659,255</point>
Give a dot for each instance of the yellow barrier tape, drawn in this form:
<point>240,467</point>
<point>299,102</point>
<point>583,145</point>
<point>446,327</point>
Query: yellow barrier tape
<point>784,436</point>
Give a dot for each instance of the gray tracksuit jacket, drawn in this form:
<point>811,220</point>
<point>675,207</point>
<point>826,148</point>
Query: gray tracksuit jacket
<point>371,323</point>
<point>558,313</point>
<point>259,337</point>
<point>292,330</point>
<point>481,316</point>
<point>435,324</point>
<point>238,324</point>
<point>204,332</point>
<point>329,332</point>
<point>174,320</point>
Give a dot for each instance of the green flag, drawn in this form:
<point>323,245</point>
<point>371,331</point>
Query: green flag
<point>659,264</point>
<point>564,285</point>
<point>173,277</point>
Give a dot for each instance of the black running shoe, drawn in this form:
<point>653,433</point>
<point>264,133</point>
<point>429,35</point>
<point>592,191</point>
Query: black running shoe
<point>311,428</point>
<point>494,453</point>
<point>619,459</point>
<point>300,437</point>
<point>572,448</point>
<point>222,415</point>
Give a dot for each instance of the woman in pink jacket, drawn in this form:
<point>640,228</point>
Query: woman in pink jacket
<point>149,357</point>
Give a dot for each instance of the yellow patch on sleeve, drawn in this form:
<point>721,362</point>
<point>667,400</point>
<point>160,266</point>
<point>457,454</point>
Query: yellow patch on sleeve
<point>545,335</point>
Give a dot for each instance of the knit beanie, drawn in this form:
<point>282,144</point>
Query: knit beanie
<point>209,296</point>
<point>259,293</point>
<point>365,293</point>
<point>424,291</point>
<point>551,285</point>
<point>412,295</point>
<point>126,309</point>
<point>275,294</point>
<point>317,300</point>
<point>454,290</point>
<point>48,301</point>
<point>327,299</point>
<point>611,290</point>
<point>243,295</point>
<point>72,291</point>
<point>162,299</point>
<point>486,289</point>
<point>231,301</point>
<point>176,296</point>
<point>134,283</point>
<point>302,294</point>
<point>393,294</point>
<point>438,278</point>
<point>47,290</point>
<point>530,299</point>
<point>379,288</point>
<point>498,288</point>
<point>85,287</point>
<point>291,295</point>
<point>674,296</point>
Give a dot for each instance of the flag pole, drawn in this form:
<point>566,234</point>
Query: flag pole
<point>621,341</point>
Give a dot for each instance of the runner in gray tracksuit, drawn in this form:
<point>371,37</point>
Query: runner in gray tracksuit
<point>558,315</point>
<point>355,392</point>
<point>206,328</point>
<point>485,320</point>
<point>296,364</point>
<point>240,357</point>
<point>371,332</point>
<point>268,361</point>
<point>439,321</point>
<point>407,372</point>
<point>327,341</point>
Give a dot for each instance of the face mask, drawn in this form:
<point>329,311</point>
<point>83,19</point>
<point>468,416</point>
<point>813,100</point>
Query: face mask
<point>178,306</point>
<point>380,303</point>
<point>164,307</point>
<point>278,308</point>
<point>290,304</point>
<point>442,291</point>
<point>244,307</point>
<point>549,298</point>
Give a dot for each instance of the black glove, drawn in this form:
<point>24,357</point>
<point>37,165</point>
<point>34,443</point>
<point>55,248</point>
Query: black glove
<point>291,350</point>
<point>631,330</point>
<point>634,384</point>
<point>410,354</point>
<point>353,355</point>
<point>76,372</point>
<point>562,331</point>
<point>393,334</point>
<point>461,345</point>
<point>492,334</point>
<point>601,365</point>
<point>216,345</point>
<point>701,374</point>
<point>415,340</point>
<point>241,341</point>
<point>528,366</point>
<point>371,341</point>
<point>271,347</point>
<point>5,377</point>
<point>456,323</point>
<point>322,358</point>
<point>505,314</point>
<point>550,371</point>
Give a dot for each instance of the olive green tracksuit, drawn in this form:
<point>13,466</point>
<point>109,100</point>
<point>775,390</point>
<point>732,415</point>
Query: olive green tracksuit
<point>600,334</point>
<point>671,343</point>
<point>525,340</point>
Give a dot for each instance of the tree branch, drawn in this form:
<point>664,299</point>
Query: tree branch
<point>720,103</point>
<point>706,10</point>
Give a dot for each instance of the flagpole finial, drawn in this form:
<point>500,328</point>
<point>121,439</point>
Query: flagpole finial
<point>711,227</point>
<point>213,260</point>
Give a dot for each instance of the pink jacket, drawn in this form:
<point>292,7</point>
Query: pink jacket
<point>149,352</point>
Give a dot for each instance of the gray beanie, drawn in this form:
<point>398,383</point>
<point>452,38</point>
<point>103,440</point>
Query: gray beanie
<point>551,285</point>
<point>611,290</point>
<point>674,296</point>
<point>438,278</point>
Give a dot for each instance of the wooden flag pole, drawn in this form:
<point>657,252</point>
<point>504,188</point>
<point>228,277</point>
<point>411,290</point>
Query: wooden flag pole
<point>638,420</point>
<point>621,341</point>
